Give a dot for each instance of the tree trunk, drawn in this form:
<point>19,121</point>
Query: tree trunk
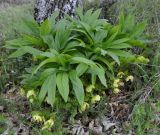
<point>44,8</point>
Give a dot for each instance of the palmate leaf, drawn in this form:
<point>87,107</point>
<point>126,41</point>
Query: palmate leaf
<point>62,82</point>
<point>77,86</point>
<point>48,87</point>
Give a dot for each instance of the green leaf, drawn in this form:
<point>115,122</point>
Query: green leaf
<point>119,46</point>
<point>48,39</point>
<point>62,82</point>
<point>77,86</point>
<point>121,53</point>
<point>49,60</point>
<point>111,54</point>
<point>17,53</point>
<point>53,17</point>
<point>45,28</point>
<point>23,50</point>
<point>119,41</point>
<point>112,37</point>
<point>29,26</point>
<point>81,69</point>
<point>52,90</point>
<point>107,63</point>
<point>138,29</point>
<point>121,21</point>
<point>82,60</point>
<point>79,12</point>
<point>16,43</point>
<point>96,14</point>
<point>32,50</point>
<point>49,86</point>
<point>100,72</point>
<point>34,40</point>
<point>137,43</point>
<point>46,73</point>
<point>129,23</point>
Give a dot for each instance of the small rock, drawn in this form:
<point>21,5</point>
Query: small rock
<point>1,108</point>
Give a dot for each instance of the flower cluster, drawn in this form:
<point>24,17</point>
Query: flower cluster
<point>119,81</point>
<point>142,59</point>
<point>39,118</point>
<point>31,95</point>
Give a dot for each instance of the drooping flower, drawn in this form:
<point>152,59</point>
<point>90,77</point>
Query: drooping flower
<point>38,118</point>
<point>90,88</point>
<point>22,92</point>
<point>116,83</point>
<point>84,106</point>
<point>129,78</point>
<point>31,93</point>
<point>142,59</point>
<point>48,124</point>
<point>120,74</point>
<point>95,98</point>
<point>116,90</point>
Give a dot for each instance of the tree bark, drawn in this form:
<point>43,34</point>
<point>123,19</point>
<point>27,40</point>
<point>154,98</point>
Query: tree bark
<point>44,8</point>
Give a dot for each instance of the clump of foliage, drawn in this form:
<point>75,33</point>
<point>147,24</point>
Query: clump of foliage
<point>72,56</point>
<point>147,74</point>
<point>10,19</point>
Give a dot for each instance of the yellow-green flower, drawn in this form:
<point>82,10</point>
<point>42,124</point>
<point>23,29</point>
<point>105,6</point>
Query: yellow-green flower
<point>142,59</point>
<point>116,90</point>
<point>22,92</point>
<point>120,74</point>
<point>90,88</point>
<point>84,106</point>
<point>95,99</point>
<point>115,84</point>
<point>121,84</point>
<point>31,100</point>
<point>38,118</point>
<point>48,124</point>
<point>129,78</point>
<point>31,93</point>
